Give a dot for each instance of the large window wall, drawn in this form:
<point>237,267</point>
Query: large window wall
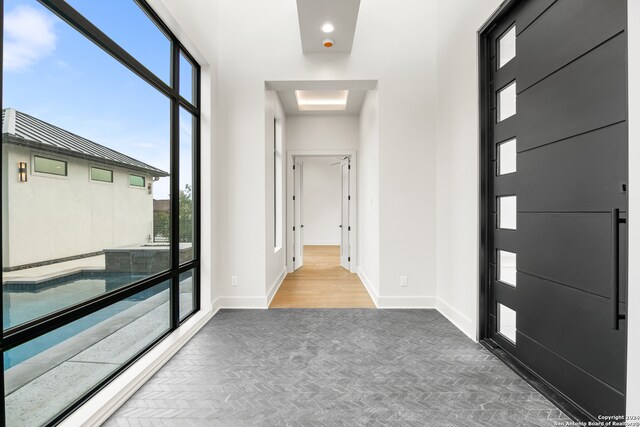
<point>100,197</point>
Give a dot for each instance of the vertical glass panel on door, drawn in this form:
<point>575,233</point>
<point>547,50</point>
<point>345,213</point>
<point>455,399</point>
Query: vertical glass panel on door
<point>127,24</point>
<point>72,240</point>
<point>507,47</point>
<point>507,157</point>
<point>44,376</point>
<point>186,294</point>
<point>507,102</point>
<point>507,322</point>
<point>187,77</point>
<point>507,212</point>
<point>507,270</point>
<point>187,213</point>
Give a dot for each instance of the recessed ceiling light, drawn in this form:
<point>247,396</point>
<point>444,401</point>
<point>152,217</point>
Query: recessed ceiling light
<point>328,27</point>
<point>322,100</point>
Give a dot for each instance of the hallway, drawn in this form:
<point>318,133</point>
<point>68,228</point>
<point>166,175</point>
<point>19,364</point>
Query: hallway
<point>322,283</point>
<point>335,368</point>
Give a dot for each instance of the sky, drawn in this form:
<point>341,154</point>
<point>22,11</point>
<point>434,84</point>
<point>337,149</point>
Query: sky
<point>52,72</point>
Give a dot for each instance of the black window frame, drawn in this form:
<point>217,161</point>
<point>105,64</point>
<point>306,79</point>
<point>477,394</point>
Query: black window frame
<point>38,156</point>
<point>20,334</point>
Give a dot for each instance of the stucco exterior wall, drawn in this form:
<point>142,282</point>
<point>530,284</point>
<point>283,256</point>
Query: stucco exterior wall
<point>51,217</point>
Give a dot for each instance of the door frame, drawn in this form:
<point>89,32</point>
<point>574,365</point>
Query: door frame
<point>345,263</point>
<point>573,411</point>
<point>353,211</point>
<point>298,253</point>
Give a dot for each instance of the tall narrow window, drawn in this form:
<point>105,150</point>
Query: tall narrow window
<point>107,91</point>
<point>277,184</point>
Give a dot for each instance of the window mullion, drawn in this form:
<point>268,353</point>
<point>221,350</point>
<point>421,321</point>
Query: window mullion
<point>175,184</point>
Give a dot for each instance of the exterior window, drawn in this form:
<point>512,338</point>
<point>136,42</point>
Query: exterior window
<point>136,181</point>
<point>103,175</point>
<point>50,166</point>
<point>113,285</point>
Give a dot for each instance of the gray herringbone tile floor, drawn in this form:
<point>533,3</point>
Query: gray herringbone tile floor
<point>334,367</point>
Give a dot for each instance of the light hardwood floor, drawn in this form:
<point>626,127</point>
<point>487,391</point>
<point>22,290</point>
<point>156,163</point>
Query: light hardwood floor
<point>322,283</point>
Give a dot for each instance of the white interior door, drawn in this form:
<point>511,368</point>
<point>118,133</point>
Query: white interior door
<point>298,227</point>
<point>345,228</point>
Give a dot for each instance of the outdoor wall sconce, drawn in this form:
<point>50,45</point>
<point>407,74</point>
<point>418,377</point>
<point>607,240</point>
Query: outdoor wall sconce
<point>22,172</point>
<point>149,188</point>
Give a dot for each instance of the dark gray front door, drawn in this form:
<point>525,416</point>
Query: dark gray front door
<point>555,116</point>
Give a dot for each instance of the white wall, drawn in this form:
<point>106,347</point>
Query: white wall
<point>82,216</point>
<point>369,194</point>
<point>403,63</point>
<point>325,132</point>
<point>633,322</point>
<point>321,200</point>
<point>457,159</point>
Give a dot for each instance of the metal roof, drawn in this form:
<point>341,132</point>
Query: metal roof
<point>22,129</point>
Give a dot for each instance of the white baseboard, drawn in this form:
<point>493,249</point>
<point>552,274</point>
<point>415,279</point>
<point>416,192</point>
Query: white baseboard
<point>368,286</point>
<point>458,319</point>
<point>102,405</point>
<point>407,302</point>
<point>276,286</point>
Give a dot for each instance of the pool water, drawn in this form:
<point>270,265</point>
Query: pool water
<point>22,305</point>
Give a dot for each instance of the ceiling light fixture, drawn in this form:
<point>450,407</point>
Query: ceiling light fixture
<point>322,100</point>
<point>327,28</point>
<point>327,43</point>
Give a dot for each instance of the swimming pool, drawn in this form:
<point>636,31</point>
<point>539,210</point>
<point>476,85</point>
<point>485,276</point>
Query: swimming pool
<point>22,303</point>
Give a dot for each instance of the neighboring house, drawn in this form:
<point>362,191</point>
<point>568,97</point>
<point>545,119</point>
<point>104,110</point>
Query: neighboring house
<point>91,196</point>
<point>162,205</point>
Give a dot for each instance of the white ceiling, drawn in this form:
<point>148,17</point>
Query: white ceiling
<point>313,14</point>
<point>357,91</point>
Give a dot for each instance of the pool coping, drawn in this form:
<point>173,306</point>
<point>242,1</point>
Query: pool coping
<point>25,372</point>
<point>18,284</point>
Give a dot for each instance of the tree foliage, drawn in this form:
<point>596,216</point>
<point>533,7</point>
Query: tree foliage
<point>162,219</point>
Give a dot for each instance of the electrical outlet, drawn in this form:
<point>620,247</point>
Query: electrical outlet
<point>234,281</point>
<point>404,281</point>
